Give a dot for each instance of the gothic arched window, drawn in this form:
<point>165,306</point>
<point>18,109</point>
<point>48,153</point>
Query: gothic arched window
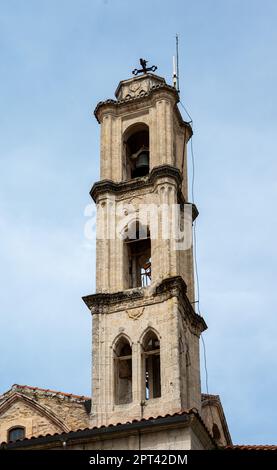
<point>123,371</point>
<point>15,433</point>
<point>151,367</point>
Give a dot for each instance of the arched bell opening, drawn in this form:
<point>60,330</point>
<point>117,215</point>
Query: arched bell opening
<point>138,256</point>
<point>151,366</point>
<point>136,145</point>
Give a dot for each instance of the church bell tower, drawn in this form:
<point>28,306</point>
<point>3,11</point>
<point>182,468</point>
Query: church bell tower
<point>146,333</point>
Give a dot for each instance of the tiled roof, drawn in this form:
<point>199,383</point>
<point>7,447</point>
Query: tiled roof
<point>86,432</point>
<point>209,400</point>
<point>48,391</point>
<point>251,447</point>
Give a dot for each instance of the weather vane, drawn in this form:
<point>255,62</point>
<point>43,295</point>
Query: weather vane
<point>144,69</point>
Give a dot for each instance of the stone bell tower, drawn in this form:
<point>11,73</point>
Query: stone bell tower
<point>145,331</point>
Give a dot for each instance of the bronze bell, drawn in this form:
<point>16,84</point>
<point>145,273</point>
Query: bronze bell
<point>142,160</point>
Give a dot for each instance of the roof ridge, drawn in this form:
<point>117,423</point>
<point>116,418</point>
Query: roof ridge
<point>206,395</point>
<point>29,387</point>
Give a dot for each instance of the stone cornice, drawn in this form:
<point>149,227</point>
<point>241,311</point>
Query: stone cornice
<point>177,286</point>
<point>142,95</point>
<point>171,287</point>
<point>115,105</point>
<point>144,182</point>
<point>96,301</point>
<point>160,171</point>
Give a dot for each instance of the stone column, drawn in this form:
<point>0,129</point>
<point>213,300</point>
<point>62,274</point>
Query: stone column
<point>169,131</point>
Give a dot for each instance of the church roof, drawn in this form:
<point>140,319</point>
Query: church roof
<point>44,391</point>
<point>208,401</point>
<point>57,439</point>
<point>251,447</point>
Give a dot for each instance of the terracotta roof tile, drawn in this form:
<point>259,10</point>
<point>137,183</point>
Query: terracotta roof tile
<point>251,447</point>
<point>48,390</point>
<point>191,411</point>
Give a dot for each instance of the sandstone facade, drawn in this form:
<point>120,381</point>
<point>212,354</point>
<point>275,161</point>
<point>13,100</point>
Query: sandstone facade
<point>41,412</point>
<point>144,116</point>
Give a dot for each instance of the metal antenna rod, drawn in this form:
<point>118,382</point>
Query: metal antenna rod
<point>177,61</point>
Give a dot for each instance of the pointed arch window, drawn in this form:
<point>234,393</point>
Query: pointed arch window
<point>123,372</point>
<point>16,433</point>
<point>151,366</point>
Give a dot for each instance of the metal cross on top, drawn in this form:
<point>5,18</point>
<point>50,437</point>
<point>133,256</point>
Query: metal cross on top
<point>144,69</point>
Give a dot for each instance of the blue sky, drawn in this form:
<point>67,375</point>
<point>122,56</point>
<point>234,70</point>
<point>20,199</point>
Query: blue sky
<point>58,59</point>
